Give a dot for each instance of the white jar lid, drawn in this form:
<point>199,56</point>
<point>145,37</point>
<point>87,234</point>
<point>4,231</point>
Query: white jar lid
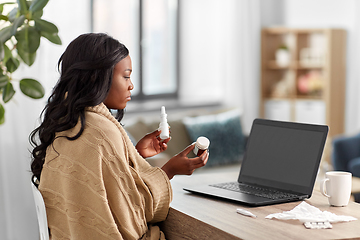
<point>202,143</point>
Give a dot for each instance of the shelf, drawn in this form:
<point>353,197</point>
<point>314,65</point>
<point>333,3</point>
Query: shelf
<point>309,97</point>
<point>294,98</point>
<point>286,30</point>
<point>309,66</point>
<point>324,52</point>
<point>272,65</point>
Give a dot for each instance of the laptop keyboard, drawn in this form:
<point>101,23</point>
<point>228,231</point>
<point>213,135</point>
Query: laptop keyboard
<point>257,191</point>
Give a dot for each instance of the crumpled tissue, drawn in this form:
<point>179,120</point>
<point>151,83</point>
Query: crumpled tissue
<point>304,212</point>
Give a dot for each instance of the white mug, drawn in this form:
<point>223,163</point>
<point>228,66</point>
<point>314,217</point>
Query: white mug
<point>337,187</point>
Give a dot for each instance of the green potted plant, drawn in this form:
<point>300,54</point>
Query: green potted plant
<point>21,30</point>
<point>282,55</point>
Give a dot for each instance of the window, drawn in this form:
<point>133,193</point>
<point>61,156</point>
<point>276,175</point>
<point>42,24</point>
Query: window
<point>149,28</point>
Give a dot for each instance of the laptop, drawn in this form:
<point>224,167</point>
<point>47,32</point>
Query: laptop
<point>280,164</point>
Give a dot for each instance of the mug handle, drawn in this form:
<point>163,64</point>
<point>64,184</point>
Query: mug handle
<point>322,188</point>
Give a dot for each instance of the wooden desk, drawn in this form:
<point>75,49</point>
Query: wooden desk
<point>197,217</point>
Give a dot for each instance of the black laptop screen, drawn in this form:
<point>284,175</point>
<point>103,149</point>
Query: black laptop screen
<point>285,154</point>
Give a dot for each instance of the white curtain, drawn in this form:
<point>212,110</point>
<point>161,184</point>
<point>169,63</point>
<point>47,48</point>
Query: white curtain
<point>220,58</point>
<point>249,29</point>
<point>352,97</point>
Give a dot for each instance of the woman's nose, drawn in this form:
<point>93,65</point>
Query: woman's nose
<point>131,86</point>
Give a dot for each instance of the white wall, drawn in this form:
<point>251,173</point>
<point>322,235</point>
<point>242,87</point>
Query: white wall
<point>17,212</point>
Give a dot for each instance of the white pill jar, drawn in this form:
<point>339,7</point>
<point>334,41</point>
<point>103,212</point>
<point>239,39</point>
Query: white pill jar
<point>201,145</point>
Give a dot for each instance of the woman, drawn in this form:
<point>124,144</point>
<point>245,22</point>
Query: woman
<point>95,183</point>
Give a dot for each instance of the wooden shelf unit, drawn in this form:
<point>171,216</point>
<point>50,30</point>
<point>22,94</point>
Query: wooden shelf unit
<point>282,96</point>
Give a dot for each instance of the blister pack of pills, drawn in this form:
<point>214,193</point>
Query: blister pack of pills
<point>317,225</point>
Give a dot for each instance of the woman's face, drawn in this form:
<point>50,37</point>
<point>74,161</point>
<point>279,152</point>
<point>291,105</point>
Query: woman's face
<point>121,86</point>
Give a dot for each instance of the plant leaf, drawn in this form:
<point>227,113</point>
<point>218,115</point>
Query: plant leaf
<point>9,3</point>
<point>22,6</point>
<point>12,64</point>
<point>13,14</point>
<point>37,15</point>
<point>2,114</point>
<point>28,58</point>
<point>28,39</point>
<point>52,37</point>
<point>34,15</point>
<point>3,17</point>
<point>3,81</point>
<point>7,52</point>
<point>32,88</point>
<point>38,5</point>
<point>45,26</point>
<point>16,24</point>
<point>5,34</point>
<point>8,92</point>
<point>2,52</point>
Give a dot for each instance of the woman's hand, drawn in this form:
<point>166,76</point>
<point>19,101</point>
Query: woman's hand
<point>182,165</point>
<point>151,144</point>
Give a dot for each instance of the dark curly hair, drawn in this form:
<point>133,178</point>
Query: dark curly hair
<point>85,78</point>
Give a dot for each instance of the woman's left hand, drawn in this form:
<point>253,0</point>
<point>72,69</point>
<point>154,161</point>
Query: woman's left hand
<point>151,144</point>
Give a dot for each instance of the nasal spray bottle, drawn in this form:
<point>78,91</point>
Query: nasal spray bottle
<point>164,126</point>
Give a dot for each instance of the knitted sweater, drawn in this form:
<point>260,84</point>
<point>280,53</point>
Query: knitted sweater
<point>99,187</point>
